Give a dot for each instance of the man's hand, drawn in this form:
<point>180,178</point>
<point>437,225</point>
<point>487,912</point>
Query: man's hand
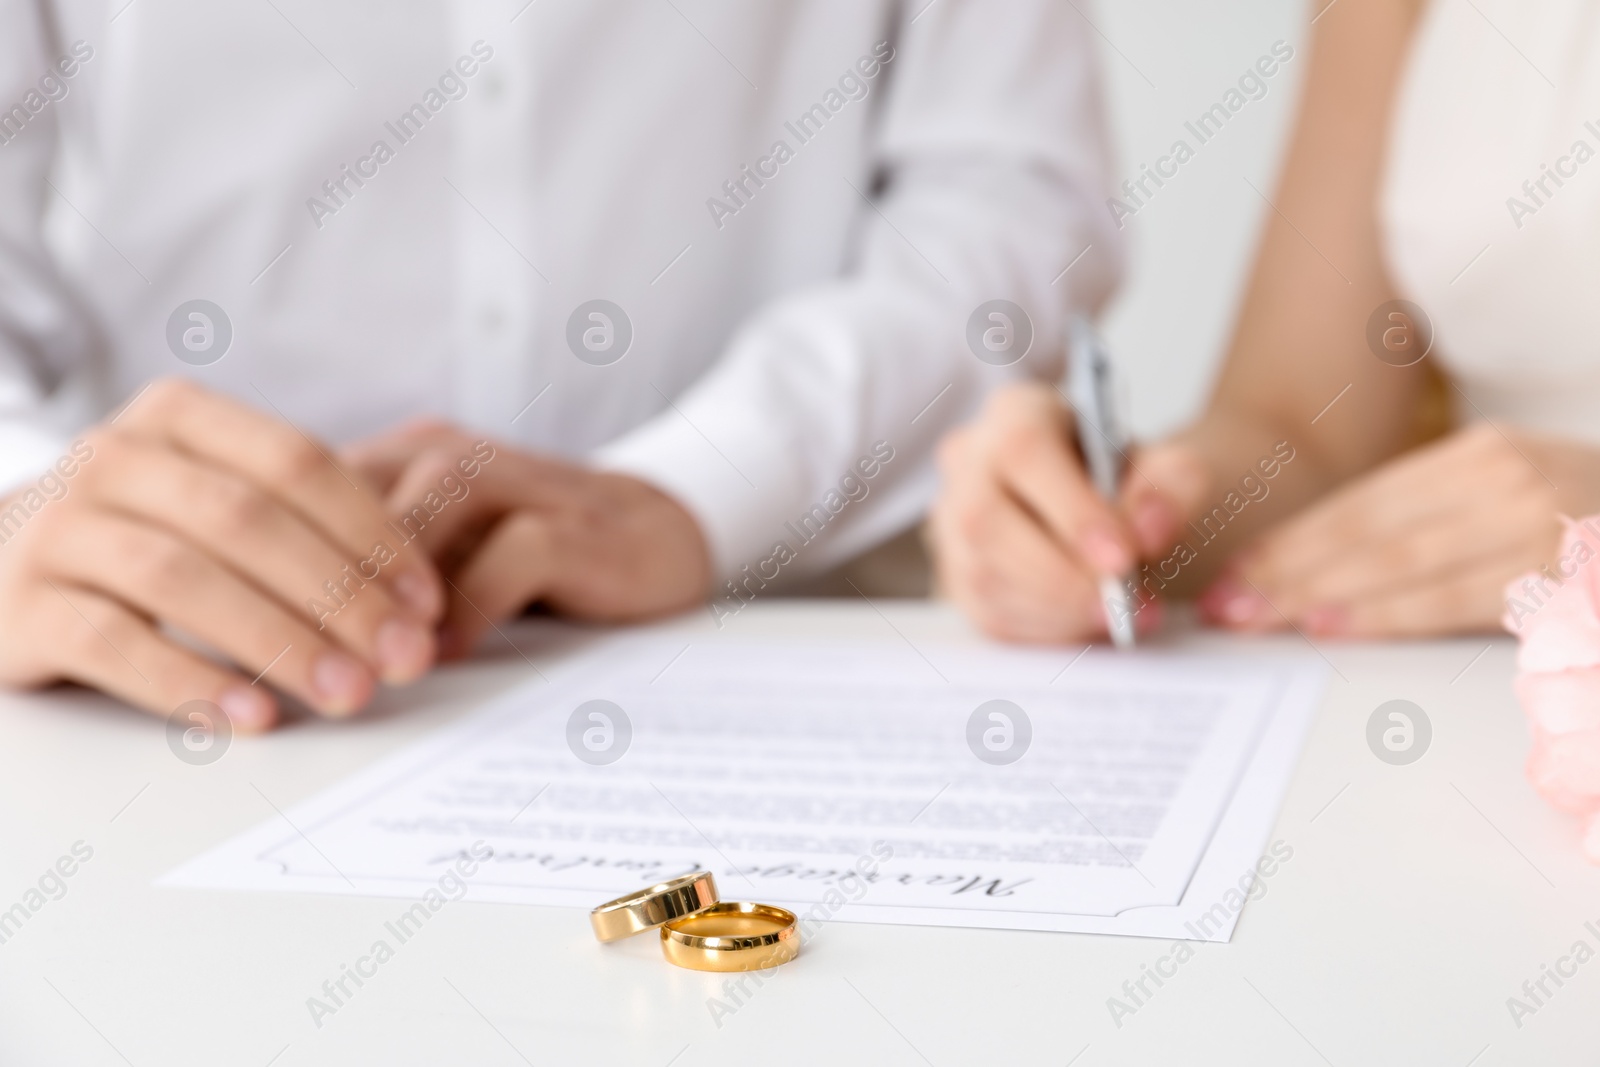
<point>1423,545</point>
<point>1021,537</point>
<point>197,513</point>
<point>512,529</point>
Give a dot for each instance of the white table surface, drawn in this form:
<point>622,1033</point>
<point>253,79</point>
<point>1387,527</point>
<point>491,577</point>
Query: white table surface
<point>1419,898</point>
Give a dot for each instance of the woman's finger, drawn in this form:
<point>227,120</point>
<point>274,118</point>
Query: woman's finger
<point>1165,484</point>
<point>1007,573</point>
<point>1429,553</point>
<point>1026,435</point>
<point>1463,601</point>
<point>1473,469</point>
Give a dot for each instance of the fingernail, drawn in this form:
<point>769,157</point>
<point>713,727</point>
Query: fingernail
<point>1153,520</point>
<point>405,650</point>
<point>248,708</point>
<point>1327,620</point>
<point>417,593</point>
<point>1231,602</point>
<point>1102,549</point>
<point>342,683</point>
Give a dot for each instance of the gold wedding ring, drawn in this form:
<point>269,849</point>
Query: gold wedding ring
<point>732,937</point>
<point>637,912</point>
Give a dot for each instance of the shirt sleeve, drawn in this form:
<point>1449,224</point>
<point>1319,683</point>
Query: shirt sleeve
<point>990,180</point>
<point>44,335</point>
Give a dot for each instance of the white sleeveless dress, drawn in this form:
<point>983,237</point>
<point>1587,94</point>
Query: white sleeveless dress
<point>1493,98</point>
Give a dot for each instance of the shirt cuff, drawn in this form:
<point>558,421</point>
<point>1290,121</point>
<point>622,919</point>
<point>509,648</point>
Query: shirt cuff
<point>734,514</point>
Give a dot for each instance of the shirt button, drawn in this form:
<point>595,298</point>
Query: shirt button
<point>494,86</point>
<point>493,319</point>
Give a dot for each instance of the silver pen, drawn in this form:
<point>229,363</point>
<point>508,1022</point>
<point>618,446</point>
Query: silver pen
<point>1104,444</point>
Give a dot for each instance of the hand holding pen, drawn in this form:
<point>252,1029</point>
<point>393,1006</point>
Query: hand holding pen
<point>1024,540</point>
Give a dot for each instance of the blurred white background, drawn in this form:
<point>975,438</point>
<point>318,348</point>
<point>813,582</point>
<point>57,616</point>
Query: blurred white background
<point>1165,62</point>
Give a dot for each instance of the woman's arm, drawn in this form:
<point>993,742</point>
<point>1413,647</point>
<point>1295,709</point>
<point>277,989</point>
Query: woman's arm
<point>1020,536</point>
<point>1301,337</point>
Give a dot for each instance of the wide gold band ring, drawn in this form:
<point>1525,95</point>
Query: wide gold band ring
<point>651,907</point>
<point>732,937</point>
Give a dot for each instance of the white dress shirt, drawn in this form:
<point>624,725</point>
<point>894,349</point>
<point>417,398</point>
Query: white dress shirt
<point>537,156</point>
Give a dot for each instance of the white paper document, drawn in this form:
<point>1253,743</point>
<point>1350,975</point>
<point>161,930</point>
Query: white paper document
<point>858,781</point>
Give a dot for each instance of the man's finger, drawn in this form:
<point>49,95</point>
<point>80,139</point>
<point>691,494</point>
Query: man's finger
<point>294,468</point>
<point>384,457</point>
<point>483,484</point>
<point>436,500</point>
<point>163,577</point>
<point>511,569</point>
<point>108,647</point>
<point>260,539</point>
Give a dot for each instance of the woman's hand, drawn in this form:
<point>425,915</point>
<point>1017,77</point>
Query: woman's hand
<point>1422,545</point>
<point>192,511</point>
<point>1021,537</point>
<point>507,528</point>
